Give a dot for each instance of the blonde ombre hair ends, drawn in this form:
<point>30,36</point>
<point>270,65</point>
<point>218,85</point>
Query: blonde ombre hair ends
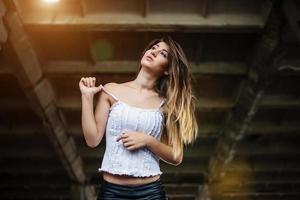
<point>180,125</point>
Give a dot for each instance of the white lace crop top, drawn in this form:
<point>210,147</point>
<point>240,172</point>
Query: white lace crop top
<point>117,159</point>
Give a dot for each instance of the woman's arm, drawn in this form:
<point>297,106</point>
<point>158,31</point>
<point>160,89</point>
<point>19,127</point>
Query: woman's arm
<point>133,140</point>
<point>165,152</point>
<point>93,126</point>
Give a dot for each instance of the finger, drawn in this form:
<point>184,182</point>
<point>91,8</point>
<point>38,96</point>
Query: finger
<point>99,88</point>
<point>84,81</point>
<point>122,136</point>
<point>127,144</point>
<point>130,148</point>
<point>119,138</point>
<point>94,81</point>
<point>81,81</point>
<point>126,140</point>
<point>88,81</point>
<point>125,135</point>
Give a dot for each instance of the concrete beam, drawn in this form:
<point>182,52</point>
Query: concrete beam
<point>69,67</point>
<point>239,120</point>
<point>42,98</point>
<point>167,22</point>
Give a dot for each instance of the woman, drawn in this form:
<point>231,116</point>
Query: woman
<point>145,120</point>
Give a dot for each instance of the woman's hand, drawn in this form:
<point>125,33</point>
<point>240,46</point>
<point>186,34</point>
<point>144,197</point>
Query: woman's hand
<point>133,140</point>
<point>87,86</point>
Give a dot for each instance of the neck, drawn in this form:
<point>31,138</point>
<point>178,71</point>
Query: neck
<point>145,81</point>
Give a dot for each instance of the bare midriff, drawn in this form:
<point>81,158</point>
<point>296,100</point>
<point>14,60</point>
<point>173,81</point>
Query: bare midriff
<point>128,180</point>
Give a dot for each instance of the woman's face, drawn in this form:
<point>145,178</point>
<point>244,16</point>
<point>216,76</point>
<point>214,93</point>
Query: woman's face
<point>156,58</point>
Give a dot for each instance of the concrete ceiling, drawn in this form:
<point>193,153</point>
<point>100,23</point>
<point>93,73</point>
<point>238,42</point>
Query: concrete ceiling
<point>245,60</point>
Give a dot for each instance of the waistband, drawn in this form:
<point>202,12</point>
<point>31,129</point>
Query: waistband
<point>149,191</point>
<point>156,182</point>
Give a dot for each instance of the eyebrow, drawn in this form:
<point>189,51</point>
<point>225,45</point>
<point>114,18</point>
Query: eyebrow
<point>162,49</point>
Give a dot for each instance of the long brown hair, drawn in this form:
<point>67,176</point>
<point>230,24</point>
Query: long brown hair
<point>180,125</point>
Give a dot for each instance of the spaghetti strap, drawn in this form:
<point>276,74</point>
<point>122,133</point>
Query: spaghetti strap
<point>110,94</point>
<point>162,103</point>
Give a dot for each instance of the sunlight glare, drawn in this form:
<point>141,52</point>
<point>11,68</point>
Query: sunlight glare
<point>51,1</point>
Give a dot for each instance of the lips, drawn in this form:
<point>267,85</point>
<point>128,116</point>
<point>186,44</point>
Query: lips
<point>149,58</point>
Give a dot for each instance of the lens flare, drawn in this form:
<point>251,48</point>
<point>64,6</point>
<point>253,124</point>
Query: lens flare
<point>51,1</point>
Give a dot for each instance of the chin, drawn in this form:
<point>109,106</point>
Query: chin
<point>145,63</point>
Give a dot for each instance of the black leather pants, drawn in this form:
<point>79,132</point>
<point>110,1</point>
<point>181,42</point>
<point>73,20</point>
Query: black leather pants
<point>149,191</point>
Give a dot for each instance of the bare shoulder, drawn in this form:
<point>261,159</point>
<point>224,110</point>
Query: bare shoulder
<point>119,87</point>
<point>125,84</point>
<point>110,86</point>
<point>115,87</point>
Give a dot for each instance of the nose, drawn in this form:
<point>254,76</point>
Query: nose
<point>154,53</point>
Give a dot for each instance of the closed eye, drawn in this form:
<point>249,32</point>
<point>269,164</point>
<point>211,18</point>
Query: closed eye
<point>164,54</point>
